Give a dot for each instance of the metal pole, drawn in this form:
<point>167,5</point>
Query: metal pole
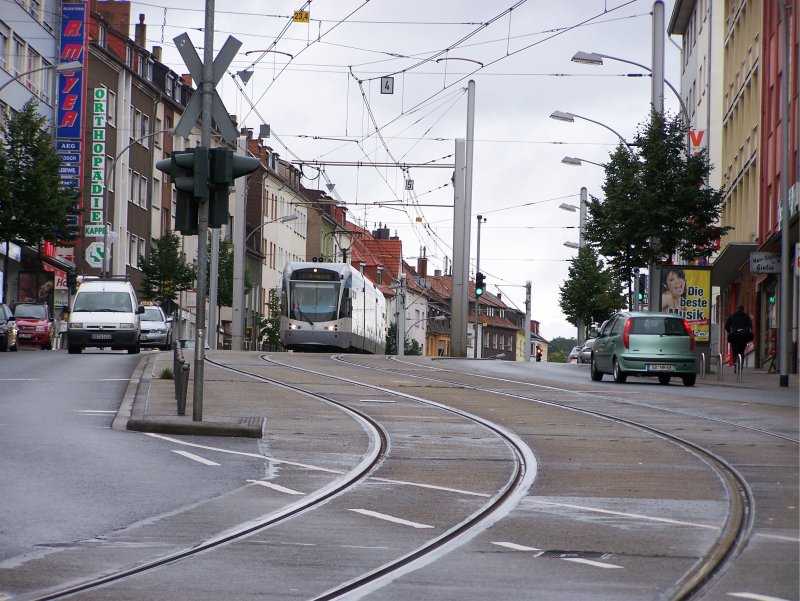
<point>459,302</point>
<point>213,289</point>
<point>239,253</point>
<point>783,330</point>
<point>401,317</point>
<point>526,353</point>
<point>657,95</point>
<point>207,90</point>
<point>477,298</point>
<point>581,243</point>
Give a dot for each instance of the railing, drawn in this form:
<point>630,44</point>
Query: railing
<point>180,369</point>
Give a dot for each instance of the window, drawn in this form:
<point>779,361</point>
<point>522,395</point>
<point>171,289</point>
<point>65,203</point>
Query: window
<point>5,32</point>
<point>110,173</point>
<point>111,107</point>
<point>169,86</point>
<point>157,137</point>
<point>142,252</point>
<point>17,56</point>
<point>136,124</point>
<point>102,35</point>
<point>143,192</point>
<point>145,131</point>
<point>133,246</point>
<point>129,56</point>
<point>156,201</point>
<point>133,186</point>
<point>131,121</point>
<point>142,66</point>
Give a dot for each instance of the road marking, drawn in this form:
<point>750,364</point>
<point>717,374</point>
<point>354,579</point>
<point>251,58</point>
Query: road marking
<point>114,380</point>
<point>277,487</point>
<point>194,457</point>
<point>93,411</point>
<point>515,546</point>
<point>756,597</point>
<point>19,379</point>
<point>589,562</point>
<point>431,486</point>
<point>375,401</point>
<point>389,518</point>
<point>627,515</point>
<point>788,539</point>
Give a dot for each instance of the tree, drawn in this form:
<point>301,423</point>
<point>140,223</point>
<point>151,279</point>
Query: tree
<point>655,193</point>
<point>411,347</point>
<point>559,344</point>
<point>269,327</point>
<point>225,274</point>
<point>592,292</point>
<point>166,273</point>
<point>33,204</point>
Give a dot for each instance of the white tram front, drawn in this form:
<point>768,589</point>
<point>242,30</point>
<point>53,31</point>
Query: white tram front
<point>331,306</point>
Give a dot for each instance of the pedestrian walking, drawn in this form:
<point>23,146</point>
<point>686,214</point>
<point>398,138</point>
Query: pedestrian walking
<point>739,327</point>
<point>61,333</point>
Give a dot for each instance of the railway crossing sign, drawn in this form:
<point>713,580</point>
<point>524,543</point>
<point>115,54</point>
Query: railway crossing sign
<point>195,66</point>
<point>95,253</point>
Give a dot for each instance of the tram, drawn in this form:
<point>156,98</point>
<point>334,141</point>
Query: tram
<point>331,306</point>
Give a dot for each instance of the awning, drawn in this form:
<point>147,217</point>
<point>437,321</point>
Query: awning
<point>727,265</point>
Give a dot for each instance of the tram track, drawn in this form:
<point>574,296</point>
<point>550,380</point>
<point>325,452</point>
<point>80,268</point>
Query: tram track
<point>734,533</point>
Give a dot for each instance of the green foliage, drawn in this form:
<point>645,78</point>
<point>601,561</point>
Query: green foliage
<point>269,327</point>
<point>655,192</point>
<point>560,345</point>
<point>33,205</point>
<point>166,273</point>
<point>166,374</point>
<point>412,347</point>
<point>591,293</point>
<point>225,274</point>
<point>558,356</point>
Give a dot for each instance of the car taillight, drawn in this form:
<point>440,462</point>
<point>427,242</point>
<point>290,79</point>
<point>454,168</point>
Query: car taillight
<point>690,332</point>
<point>626,334</point>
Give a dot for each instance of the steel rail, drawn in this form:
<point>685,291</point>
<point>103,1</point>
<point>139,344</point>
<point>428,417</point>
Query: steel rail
<point>739,520</point>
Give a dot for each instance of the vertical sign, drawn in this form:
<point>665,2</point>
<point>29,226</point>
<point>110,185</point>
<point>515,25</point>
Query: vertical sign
<point>97,184</point>
<point>686,291</point>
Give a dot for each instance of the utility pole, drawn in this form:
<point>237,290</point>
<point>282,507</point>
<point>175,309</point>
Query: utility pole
<point>239,253</point>
<point>213,289</point>
<point>477,297</point>
<point>783,318</point>
<point>657,95</point>
<point>460,302</point>
<point>526,353</point>
<point>401,316</point>
<point>581,244</point>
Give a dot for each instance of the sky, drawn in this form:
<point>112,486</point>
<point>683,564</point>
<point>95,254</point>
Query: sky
<point>319,89</point>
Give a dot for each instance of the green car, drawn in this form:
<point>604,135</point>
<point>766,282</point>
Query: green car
<point>645,344</point>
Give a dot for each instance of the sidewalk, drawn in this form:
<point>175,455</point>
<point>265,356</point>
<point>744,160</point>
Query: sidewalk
<point>751,378</point>
<point>149,403</point>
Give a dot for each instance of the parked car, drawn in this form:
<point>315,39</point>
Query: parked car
<point>156,328</point>
<point>574,354</point>
<point>8,329</point>
<point>35,325</point>
<point>645,344</point>
<point>585,355</point>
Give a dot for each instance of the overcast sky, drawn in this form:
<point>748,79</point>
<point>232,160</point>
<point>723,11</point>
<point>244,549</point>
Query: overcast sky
<point>319,90</point>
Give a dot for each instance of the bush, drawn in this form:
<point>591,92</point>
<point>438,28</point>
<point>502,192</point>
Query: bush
<point>556,357</point>
<point>166,374</point>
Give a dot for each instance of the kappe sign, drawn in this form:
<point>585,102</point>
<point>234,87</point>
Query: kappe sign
<point>765,263</point>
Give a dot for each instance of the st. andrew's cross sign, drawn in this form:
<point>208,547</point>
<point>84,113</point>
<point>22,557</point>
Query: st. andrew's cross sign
<point>195,66</point>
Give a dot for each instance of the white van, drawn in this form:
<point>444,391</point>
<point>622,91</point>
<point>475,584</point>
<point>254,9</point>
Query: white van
<point>105,313</point>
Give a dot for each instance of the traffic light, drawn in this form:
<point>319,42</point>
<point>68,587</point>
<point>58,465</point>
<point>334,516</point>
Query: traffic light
<point>224,168</point>
<point>188,170</point>
<point>642,287</point>
<point>72,280</point>
<point>479,284</point>
<point>771,299</point>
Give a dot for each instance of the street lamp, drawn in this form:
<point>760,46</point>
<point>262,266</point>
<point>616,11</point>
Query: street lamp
<point>577,162</point>
<point>596,58</point>
<point>70,66</point>
<point>435,318</point>
<point>283,219</point>
<point>581,239</point>
<point>570,118</point>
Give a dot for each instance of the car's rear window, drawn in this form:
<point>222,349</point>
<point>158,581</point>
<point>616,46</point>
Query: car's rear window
<point>31,312</point>
<point>657,326</point>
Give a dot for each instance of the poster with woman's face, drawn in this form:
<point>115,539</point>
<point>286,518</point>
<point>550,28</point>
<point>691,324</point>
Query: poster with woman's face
<point>686,291</point>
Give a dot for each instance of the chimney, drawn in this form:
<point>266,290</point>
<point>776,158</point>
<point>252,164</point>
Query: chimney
<point>422,267</point>
<point>140,35</point>
<point>187,79</point>
<point>157,53</point>
<point>437,273</point>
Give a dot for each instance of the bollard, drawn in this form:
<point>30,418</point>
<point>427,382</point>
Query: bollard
<point>719,374</point>
<point>184,384</point>
<point>740,365</point>
<point>702,366</point>
<point>177,359</point>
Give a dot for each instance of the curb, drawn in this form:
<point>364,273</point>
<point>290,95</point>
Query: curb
<point>192,428</point>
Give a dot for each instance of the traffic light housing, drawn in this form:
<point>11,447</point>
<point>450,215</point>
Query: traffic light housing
<point>72,280</point>
<point>188,170</point>
<point>224,168</point>
<point>480,285</point>
<point>642,287</point>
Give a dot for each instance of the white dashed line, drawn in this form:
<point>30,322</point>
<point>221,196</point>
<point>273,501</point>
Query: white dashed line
<point>756,597</point>
<point>627,515</point>
<point>515,546</point>
<point>376,401</point>
<point>197,458</point>
<point>277,487</point>
<point>389,518</point>
<point>589,562</point>
<point>432,486</point>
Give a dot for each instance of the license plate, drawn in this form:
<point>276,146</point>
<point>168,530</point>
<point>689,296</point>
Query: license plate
<point>101,336</point>
<point>26,335</point>
<point>660,367</point>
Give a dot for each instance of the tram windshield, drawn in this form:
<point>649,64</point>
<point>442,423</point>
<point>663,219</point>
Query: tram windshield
<point>314,301</point>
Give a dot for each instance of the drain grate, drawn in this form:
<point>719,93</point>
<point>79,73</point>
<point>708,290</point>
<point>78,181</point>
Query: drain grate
<point>250,421</point>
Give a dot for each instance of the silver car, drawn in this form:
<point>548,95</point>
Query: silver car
<point>585,356</point>
<point>156,328</point>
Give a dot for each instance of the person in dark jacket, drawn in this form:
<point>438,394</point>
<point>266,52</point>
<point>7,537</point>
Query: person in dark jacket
<point>739,327</point>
